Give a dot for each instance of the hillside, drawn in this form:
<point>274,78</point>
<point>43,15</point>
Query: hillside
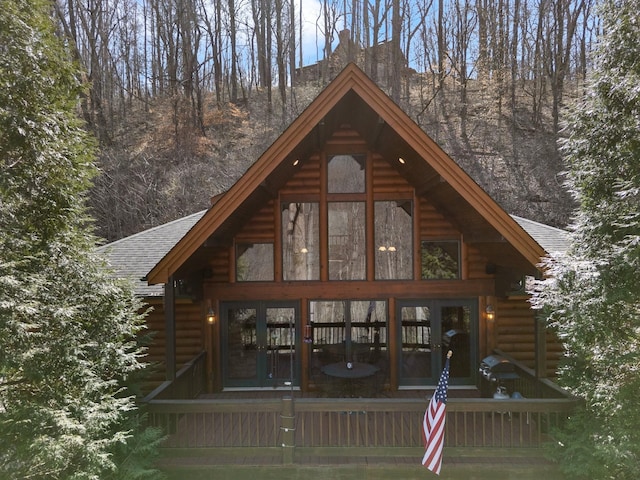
<point>159,166</point>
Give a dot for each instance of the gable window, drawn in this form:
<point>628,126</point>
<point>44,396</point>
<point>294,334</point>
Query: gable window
<point>346,174</point>
<point>347,245</point>
<point>254,262</point>
<point>300,241</point>
<point>440,260</point>
<point>393,240</point>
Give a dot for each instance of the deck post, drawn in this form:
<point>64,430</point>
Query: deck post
<point>288,430</point>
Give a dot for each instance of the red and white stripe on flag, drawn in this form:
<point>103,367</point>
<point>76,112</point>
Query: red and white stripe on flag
<point>433,424</point>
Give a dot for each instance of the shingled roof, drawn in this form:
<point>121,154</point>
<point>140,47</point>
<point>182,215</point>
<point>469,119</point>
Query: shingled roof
<point>553,240</point>
<point>133,257</point>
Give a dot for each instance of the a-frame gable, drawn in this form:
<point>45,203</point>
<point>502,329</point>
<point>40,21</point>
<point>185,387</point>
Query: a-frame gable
<point>379,119</point>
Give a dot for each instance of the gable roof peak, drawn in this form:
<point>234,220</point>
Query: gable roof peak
<point>353,98</point>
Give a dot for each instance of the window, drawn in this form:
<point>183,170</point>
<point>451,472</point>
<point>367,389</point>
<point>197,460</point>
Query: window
<point>393,240</point>
<point>254,262</point>
<point>346,174</point>
<point>347,245</point>
<point>350,330</point>
<point>440,260</point>
<point>300,241</point>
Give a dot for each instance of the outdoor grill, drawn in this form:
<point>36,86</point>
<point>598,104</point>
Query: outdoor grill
<point>496,371</point>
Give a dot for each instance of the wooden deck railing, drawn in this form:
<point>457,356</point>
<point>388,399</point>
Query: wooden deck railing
<point>292,428</point>
<point>475,422</point>
<point>354,427</point>
<point>190,381</point>
<point>529,385</point>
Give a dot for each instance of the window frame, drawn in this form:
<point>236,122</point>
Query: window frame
<point>237,262</point>
<point>458,275</point>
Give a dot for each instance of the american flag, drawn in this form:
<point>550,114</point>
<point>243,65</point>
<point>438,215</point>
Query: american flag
<point>433,423</point>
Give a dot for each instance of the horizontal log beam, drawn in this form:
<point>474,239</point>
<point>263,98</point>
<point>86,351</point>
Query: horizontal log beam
<point>335,290</point>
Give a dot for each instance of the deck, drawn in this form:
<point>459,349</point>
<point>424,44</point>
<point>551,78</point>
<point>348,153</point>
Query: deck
<point>285,427</point>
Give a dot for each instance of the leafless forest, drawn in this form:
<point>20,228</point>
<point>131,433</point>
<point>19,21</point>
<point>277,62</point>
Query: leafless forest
<point>184,94</point>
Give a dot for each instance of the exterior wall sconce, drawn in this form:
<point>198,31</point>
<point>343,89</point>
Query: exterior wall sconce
<point>211,316</point>
<point>489,313</point>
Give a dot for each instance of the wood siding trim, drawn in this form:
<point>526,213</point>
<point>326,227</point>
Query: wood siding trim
<point>335,290</point>
<point>517,334</point>
<point>417,238</point>
<point>370,221</point>
<point>324,221</point>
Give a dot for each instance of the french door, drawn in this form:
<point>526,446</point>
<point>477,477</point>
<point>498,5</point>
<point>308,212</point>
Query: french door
<point>260,341</point>
<point>428,329</point>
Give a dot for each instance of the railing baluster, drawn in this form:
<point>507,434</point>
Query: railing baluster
<point>484,428</point>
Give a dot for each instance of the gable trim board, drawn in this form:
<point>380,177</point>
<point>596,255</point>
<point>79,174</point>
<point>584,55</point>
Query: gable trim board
<point>351,79</point>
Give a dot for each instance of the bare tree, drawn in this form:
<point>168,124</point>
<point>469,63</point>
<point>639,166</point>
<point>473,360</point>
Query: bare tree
<point>280,14</point>
<point>463,26</point>
<point>397,65</point>
<point>564,21</point>
<point>139,54</point>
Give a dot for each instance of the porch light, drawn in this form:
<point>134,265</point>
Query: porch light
<point>304,250</point>
<point>401,160</point>
<point>211,316</point>
<point>489,313</point>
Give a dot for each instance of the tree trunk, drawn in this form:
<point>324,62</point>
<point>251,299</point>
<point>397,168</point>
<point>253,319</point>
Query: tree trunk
<point>396,57</point>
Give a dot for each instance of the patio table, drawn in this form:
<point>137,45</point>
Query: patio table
<point>348,372</point>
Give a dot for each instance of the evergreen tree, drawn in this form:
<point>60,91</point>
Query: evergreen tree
<point>592,294</point>
<point>68,331</point>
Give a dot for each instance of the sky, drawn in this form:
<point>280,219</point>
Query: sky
<point>311,34</point>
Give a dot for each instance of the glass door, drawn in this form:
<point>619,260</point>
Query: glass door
<point>344,331</point>
<point>417,365</point>
<point>428,330</point>
<point>260,341</point>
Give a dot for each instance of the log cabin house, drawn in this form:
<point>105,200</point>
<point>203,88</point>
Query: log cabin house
<point>354,238</point>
